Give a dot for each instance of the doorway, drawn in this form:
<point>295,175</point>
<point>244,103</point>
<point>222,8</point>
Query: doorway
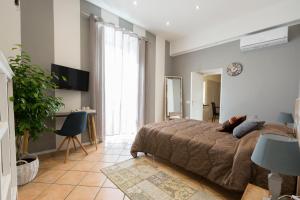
<point>206,97</point>
<point>211,97</point>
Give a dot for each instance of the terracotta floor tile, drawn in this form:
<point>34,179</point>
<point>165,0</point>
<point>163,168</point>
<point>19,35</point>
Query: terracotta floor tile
<point>83,193</point>
<point>100,149</point>
<point>128,146</point>
<point>77,156</point>
<point>49,163</point>
<point>123,158</point>
<point>99,166</point>
<point>71,178</point>
<point>109,158</point>
<point>76,179</point>
<point>57,192</point>
<point>125,152</point>
<point>61,165</point>
<point>72,156</point>
<point>50,176</point>
<point>113,151</point>
<point>84,166</point>
<point>115,146</point>
<point>41,171</point>
<point>109,184</point>
<point>94,157</point>
<point>31,191</point>
<point>110,194</point>
<point>93,179</point>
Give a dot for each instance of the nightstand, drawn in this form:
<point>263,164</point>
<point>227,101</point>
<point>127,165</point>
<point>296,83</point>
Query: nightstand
<point>254,192</point>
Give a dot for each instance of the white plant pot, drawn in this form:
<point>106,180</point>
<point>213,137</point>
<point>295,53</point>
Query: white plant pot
<point>27,172</point>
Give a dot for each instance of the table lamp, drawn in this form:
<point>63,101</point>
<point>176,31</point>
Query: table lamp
<point>286,118</point>
<point>279,154</point>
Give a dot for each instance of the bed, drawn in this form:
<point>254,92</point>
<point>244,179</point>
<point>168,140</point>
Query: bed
<point>198,147</point>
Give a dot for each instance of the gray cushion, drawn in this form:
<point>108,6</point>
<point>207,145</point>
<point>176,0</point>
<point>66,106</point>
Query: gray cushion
<point>246,127</point>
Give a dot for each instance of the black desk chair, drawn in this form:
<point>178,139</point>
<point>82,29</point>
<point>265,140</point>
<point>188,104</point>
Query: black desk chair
<point>216,113</point>
<point>74,125</point>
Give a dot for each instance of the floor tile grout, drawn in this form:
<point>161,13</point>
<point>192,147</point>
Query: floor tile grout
<point>115,152</point>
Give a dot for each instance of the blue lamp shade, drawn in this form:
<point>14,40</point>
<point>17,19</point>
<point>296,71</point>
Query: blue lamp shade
<point>278,154</point>
<point>286,118</point>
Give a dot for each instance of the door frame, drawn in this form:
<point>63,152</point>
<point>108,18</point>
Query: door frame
<point>216,71</point>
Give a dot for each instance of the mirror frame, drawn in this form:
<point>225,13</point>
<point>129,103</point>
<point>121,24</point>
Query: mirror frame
<point>167,116</point>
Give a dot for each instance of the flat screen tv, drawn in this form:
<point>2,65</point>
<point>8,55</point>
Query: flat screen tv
<point>70,78</point>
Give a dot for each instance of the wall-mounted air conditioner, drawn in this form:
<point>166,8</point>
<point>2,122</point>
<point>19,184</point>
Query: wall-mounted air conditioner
<point>264,39</point>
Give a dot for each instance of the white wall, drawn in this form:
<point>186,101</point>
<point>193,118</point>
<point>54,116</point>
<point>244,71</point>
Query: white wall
<point>159,78</point>
<point>67,45</point>
<point>277,14</point>
<point>10,31</point>
<point>67,48</point>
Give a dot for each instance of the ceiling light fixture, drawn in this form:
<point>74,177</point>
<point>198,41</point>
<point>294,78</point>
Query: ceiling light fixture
<point>135,3</point>
<point>168,23</point>
<point>197,7</point>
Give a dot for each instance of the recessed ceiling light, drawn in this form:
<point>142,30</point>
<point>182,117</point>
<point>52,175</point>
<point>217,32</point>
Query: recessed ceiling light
<point>197,7</point>
<point>135,3</point>
<point>168,23</point>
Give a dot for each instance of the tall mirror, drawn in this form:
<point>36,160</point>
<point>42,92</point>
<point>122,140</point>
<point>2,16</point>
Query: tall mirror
<point>173,97</point>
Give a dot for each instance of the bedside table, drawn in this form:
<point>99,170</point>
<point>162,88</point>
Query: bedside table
<point>254,192</point>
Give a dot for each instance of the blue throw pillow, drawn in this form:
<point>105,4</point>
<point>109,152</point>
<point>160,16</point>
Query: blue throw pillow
<point>246,127</point>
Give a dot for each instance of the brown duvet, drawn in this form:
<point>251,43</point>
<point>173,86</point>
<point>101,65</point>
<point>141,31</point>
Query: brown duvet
<point>198,147</point>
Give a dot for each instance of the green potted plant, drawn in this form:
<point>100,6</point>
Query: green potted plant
<point>33,106</point>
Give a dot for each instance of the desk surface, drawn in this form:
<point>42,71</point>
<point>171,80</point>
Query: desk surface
<point>64,114</point>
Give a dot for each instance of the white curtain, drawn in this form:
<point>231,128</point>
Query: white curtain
<point>121,66</point>
<point>120,62</point>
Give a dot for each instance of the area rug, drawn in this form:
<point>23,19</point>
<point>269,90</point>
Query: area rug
<point>139,179</point>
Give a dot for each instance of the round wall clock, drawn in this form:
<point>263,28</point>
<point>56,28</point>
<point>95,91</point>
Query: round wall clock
<point>234,69</point>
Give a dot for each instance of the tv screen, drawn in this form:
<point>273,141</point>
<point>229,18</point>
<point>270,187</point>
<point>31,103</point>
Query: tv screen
<point>70,78</point>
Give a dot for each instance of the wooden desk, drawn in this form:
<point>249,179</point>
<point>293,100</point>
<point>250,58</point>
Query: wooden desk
<point>90,123</point>
<point>254,192</point>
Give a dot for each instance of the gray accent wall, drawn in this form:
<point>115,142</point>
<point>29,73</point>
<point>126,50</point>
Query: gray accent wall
<point>268,84</point>
<point>37,34</point>
<point>86,10</point>
<point>89,8</point>
<point>150,78</point>
<point>168,60</point>
<point>299,87</point>
<point>125,24</point>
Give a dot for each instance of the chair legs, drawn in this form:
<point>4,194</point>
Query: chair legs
<point>62,143</point>
<point>82,147</point>
<point>67,152</point>
<point>74,144</point>
<point>214,118</point>
<point>68,146</point>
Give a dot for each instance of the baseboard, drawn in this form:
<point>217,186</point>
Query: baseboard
<point>45,152</point>
<point>54,150</point>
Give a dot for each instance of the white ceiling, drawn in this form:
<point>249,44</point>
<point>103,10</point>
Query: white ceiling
<point>182,14</point>
<point>187,22</point>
